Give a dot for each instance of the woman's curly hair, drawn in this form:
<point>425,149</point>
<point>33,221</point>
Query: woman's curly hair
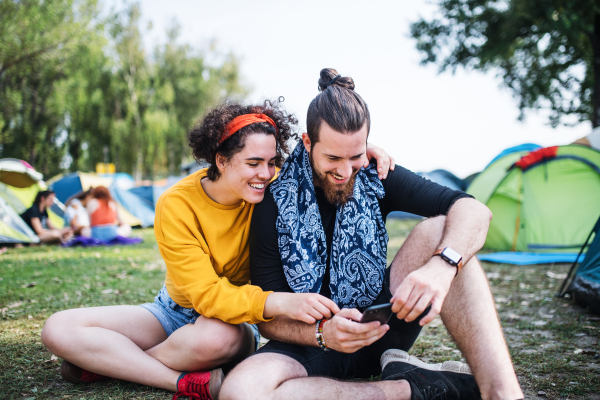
<point>205,136</point>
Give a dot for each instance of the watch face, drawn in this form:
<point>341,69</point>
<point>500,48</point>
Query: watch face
<point>451,255</point>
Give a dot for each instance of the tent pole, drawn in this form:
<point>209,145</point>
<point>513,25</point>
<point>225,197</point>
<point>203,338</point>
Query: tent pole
<point>518,219</point>
<point>561,292</point>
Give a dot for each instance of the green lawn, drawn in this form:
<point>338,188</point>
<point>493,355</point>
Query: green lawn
<point>554,343</point>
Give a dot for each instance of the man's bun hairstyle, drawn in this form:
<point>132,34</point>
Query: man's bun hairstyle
<point>338,105</point>
<point>204,138</point>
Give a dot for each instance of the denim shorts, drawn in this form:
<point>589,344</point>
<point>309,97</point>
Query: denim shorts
<point>172,316</point>
<point>104,232</point>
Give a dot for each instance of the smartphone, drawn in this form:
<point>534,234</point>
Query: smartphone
<point>381,313</point>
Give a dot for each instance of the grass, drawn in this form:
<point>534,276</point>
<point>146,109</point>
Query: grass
<point>553,342</point>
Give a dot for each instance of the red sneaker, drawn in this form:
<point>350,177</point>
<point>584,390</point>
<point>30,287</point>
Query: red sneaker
<point>202,385</point>
<point>72,373</point>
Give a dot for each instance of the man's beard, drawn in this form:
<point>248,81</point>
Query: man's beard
<point>334,194</point>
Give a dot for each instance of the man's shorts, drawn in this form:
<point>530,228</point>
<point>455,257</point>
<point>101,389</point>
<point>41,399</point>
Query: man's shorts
<point>172,316</point>
<point>362,364</point>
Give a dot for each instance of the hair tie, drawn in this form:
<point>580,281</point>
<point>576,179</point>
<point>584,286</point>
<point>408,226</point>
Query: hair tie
<point>331,82</point>
<point>244,120</point>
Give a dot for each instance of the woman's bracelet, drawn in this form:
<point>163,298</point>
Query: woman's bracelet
<point>319,334</point>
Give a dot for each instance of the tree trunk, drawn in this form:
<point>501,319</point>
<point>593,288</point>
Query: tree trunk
<point>596,66</point>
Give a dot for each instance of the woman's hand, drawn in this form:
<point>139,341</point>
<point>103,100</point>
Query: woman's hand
<point>385,162</point>
<point>305,307</point>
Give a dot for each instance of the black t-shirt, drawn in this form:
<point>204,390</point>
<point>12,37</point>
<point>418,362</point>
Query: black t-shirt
<point>404,191</point>
<point>34,212</point>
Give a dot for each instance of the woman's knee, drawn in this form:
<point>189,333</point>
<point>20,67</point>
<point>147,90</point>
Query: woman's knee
<point>221,339</point>
<point>58,331</point>
<point>50,236</point>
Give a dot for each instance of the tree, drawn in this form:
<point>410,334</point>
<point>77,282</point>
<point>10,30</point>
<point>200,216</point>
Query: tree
<point>158,98</point>
<point>185,86</point>
<point>76,89</point>
<point>548,51</point>
<point>38,40</point>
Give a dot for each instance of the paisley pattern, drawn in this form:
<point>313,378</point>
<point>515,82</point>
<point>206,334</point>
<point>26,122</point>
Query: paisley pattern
<point>359,249</point>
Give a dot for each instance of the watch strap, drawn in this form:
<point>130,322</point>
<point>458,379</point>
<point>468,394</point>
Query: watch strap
<point>458,266</point>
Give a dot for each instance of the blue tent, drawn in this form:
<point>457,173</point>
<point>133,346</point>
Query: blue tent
<point>133,210</point>
<point>67,187</point>
<point>444,178</point>
<point>585,286</point>
<point>136,205</point>
<point>149,193</point>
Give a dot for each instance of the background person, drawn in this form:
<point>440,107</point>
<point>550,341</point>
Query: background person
<point>592,140</point>
<point>201,319</point>
<point>104,216</point>
<point>36,217</point>
<point>76,214</point>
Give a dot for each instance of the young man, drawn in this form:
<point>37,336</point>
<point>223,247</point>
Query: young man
<point>321,229</point>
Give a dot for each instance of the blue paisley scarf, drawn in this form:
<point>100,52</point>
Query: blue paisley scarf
<point>359,248</point>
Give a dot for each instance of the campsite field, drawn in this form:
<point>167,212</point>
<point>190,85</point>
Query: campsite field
<point>554,343</point>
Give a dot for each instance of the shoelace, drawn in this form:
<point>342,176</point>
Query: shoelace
<point>432,393</point>
<point>194,390</point>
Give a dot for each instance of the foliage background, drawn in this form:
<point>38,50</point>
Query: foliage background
<point>78,87</point>
<point>547,51</point>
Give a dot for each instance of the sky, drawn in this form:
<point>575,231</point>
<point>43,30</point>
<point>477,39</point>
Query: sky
<point>424,119</point>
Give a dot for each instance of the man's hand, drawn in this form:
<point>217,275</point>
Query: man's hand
<point>345,334</point>
<point>385,162</point>
<point>305,307</point>
<point>427,285</point>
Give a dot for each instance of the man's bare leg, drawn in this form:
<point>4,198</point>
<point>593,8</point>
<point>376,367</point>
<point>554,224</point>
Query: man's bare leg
<point>468,312</point>
<point>276,376</point>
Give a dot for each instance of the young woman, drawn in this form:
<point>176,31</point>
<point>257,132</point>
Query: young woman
<point>202,317</point>
<point>76,215</point>
<point>37,218</point>
<point>104,216</point>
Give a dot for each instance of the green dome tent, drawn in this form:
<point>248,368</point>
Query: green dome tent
<point>17,175</point>
<point>543,200</point>
<point>12,228</point>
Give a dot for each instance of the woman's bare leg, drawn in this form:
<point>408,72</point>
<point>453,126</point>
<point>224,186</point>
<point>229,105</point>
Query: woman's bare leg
<point>129,343</point>
<point>205,345</point>
<point>51,236</point>
<point>110,341</point>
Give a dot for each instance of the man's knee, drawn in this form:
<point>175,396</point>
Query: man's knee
<point>245,382</point>
<point>259,376</point>
<point>431,228</point>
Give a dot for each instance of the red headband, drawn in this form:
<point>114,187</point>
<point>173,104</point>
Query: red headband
<point>244,120</point>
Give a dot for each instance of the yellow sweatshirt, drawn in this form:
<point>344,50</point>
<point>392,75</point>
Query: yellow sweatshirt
<point>205,247</point>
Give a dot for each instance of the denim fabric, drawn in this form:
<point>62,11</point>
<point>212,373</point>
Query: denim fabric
<point>172,316</point>
<point>104,232</point>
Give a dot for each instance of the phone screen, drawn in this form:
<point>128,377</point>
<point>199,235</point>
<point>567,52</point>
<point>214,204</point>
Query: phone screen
<point>381,313</point>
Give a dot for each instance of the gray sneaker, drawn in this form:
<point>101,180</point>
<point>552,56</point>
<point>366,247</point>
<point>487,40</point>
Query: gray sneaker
<point>447,380</point>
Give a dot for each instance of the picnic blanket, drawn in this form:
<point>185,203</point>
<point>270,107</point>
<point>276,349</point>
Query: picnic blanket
<point>90,242</point>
